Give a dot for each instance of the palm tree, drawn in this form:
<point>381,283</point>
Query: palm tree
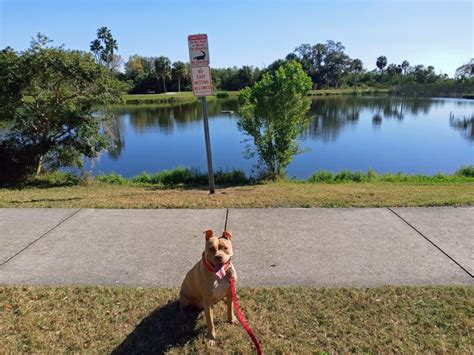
<point>357,65</point>
<point>466,70</point>
<point>381,62</point>
<point>405,66</point>
<point>180,71</point>
<point>103,47</point>
<point>96,48</point>
<point>163,69</point>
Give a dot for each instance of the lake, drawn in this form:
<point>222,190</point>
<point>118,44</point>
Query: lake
<point>387,134</point>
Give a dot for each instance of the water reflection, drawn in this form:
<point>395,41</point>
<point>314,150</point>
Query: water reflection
<point>463,124</point>
<point>383,133</point>
<point>168,119</point>
<point>115,132</point>
<point>330,115</point>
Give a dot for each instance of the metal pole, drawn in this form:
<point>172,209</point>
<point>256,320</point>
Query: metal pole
<point>208,145</point>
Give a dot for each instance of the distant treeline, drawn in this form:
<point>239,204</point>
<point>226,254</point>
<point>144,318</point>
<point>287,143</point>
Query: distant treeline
<point>326,63</point>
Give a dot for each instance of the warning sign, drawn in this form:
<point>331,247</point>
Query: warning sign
<point>198,50</point>
<point>202,81</point>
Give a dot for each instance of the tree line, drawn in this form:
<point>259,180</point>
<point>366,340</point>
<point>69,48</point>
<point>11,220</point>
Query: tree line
<point>327,64</point>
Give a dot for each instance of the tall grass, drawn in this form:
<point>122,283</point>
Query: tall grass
<point>463,174</point>
<point>192,177</point>
<point>178,176</point>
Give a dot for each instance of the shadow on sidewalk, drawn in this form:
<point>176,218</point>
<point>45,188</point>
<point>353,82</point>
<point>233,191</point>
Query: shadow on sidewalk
<point>165,327</point>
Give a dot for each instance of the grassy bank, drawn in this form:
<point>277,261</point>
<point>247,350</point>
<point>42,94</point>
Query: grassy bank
<point>181,97</point>
<point>288,320</point>
<point>279,194</point>
<point>425,90</point>
<point>441,89</point>
<point>183,188</point>
<point>349,91</point>
<point>171,98</point>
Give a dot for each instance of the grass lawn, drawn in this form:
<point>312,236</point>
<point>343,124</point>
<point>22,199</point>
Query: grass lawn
<point>286,320</point>
<point>169,98</point>
<point>177,97</point>
<point>276,194</point>
<point>348,91</point>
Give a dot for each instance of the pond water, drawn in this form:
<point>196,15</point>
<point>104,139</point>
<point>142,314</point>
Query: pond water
<point>387,134</point>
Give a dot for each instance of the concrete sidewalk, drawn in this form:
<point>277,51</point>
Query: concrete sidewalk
<point>316,246</point>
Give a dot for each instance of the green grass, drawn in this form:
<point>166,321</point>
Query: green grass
<point>177,177</point>
<point>260,195</point>
<point>170,98</point>
<point>286,320</point>
<point>463,174</point>
<point>185,177</point>
<point>348,91</point>
<point>185,188</point>
<point>175,97</point>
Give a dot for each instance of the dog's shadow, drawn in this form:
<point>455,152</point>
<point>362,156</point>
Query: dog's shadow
<point>164,328</point>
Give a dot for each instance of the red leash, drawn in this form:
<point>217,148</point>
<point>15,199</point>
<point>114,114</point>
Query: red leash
<point>241,317</point>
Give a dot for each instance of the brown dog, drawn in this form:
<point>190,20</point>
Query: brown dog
<point>208,281</point>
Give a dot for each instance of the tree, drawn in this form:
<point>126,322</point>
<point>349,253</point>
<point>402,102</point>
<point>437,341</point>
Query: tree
<point>163,69</point>
<point>180,71</point>
<point>51,94</point>
<point>273,113</point>
<point>466,70</point>
<point>394,69</point>
<point>357,66</point>
<point>245,76</point>
<point>381,62</point>
<point>420,73</point>
<point>134,67</point>
<point>405,65</point>
<point>104,47</point>
<point>326,63</point>
<point>40,41</point>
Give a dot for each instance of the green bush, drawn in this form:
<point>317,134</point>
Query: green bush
<point>178,176</point>
<point>347,175</point>
<point>112,178</point>
<point>467,171</point>
<point>233,177</point>
<point>322,176</point>
<point>222,95</point>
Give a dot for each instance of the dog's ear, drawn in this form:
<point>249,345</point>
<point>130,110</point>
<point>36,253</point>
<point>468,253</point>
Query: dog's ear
<point>227,235</point>
<point>209,233</point>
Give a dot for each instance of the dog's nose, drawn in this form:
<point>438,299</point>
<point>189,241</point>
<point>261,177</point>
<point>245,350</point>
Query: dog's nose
<point>219,257</point>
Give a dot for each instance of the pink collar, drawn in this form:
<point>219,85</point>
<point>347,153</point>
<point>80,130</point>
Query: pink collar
<point>221,271</point>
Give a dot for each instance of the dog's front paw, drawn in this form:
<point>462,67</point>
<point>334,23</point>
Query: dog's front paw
<point>211,339</point>
<point>233,320</point>
<point>229,273</point>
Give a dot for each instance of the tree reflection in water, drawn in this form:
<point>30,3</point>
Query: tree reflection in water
<point>464,124</point>
<point>329,116</point>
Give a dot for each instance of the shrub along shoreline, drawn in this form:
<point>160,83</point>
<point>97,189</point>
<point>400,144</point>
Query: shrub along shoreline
<point>186,177</point>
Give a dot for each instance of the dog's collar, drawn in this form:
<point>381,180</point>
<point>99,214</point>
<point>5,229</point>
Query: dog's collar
<point>212,268</point>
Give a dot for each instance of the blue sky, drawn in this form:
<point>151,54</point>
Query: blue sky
<point>438,33</point>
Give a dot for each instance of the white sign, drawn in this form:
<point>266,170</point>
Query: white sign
<point>198,50</point>
<point>202,81</point>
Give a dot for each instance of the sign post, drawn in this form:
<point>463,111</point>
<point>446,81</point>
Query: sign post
<point>202,87</point>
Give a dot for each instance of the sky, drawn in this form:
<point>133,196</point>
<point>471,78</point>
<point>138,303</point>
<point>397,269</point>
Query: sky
<point>438,33</point>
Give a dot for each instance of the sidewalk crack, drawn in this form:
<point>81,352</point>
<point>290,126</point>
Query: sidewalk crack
<point>226,218</point>
<point>431,242</point>
<point>41,236</point>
